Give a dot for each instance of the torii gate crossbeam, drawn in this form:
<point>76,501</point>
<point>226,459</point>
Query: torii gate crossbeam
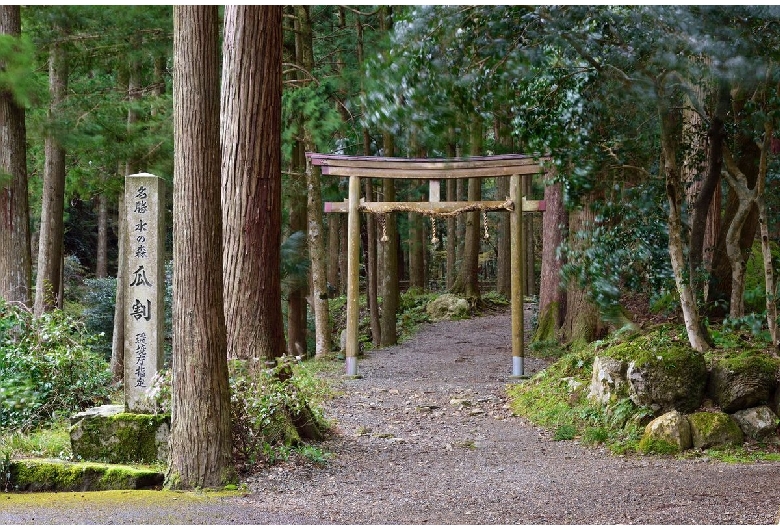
<point>514,166</point>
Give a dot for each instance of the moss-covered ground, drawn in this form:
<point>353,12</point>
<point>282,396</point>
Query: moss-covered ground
<point>556,398</point>
<point>57,475</point>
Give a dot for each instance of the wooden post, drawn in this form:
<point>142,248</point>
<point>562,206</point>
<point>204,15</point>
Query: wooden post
<point>516,269</point>
<point>353,278</point>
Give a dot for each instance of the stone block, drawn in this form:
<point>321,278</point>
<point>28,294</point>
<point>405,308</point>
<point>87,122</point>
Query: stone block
<point>743,381</point>
<point>54,475</point>
<point>108,434</point>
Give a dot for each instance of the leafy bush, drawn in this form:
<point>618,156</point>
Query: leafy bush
<point>264,406</point>
<point>48,365</point>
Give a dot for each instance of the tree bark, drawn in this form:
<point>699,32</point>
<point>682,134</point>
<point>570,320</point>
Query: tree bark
<point>343,254</point>
<point>118,336</point>
<point>452,246</point>
<point>333,253</point>
<point>49,275</point>
<point>705,206</point>
<point>552,298</point>
<point>101,267</point>
<point>468,282</point>
<point>296,190</point>
<point>581,323</point>
<point>770,288</point>
<point>15,259</point>
<point>372,271</point>
<point>416,249</point>
<point>503,269</point>
<point>251,186</point>
<point>391,288</point>
<point>200,440</point>
<point>319,284</point>
<point>673,179</point>
<point>746,157</point>
<point>738,183</point>
<point>529,272</point>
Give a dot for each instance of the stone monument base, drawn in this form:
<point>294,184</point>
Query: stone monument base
<point>109,434</point>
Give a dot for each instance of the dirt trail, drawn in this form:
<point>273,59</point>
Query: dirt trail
<point>425,437</point>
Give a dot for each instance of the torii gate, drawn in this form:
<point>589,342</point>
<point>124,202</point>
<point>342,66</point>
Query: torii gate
<point>434,169</point>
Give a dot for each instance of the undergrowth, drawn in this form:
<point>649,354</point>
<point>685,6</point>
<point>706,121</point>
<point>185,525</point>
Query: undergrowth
<point>556,398</point>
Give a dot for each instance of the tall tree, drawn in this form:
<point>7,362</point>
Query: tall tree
<point>15,259</point>
<point>552,298</point>
<point>251,181</point>
<point>391,291</point>
<point>50,244</point>
<point>315,226</point>
<point>200,442</point>
<point>468,281</point>
<point>295,191</point>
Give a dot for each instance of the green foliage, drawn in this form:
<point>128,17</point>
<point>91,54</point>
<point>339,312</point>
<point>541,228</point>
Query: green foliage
<point>52,441</point>
<point>625,249</point>
<point>262,404</point>
<point>657,447</point>
<point>556,398</point>
<point>547,349</point>
<point>5,471</point>
<point>99,300</point>
<point>411,311</point>
<point>565,432</point>
<point>47,366</point>
<point>295,262</point>
<point>309,108</point>
<point>17,54</point>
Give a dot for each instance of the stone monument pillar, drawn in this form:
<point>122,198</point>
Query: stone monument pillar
<point>144,278</point>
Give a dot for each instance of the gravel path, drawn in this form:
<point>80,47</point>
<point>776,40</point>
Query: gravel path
<point>425,437</point>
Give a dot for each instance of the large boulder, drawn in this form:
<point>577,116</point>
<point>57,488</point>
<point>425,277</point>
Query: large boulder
<point>658,370</point>
<point>670,433</point>
<point>447,307</point>
<point>714,429</point>
<point>758,423</point>
<point>668,379</point>
<point>608,382</point>
<point>744,380</point>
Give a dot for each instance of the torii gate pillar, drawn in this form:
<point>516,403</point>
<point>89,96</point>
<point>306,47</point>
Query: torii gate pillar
<point>516,243</point>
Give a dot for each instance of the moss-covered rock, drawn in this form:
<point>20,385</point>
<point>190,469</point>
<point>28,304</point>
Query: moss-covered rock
<point>119,437</point>
<point>447,307</point>
<point>714,429</point>
<point>608,381</point>
<point>668,434</point>
<point>662,371</point>
<point>741,380</point>
<point>53,475</point>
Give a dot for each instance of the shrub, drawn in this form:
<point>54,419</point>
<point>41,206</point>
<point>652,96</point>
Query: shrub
<point>266,410</point>
<point>47,366</point>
